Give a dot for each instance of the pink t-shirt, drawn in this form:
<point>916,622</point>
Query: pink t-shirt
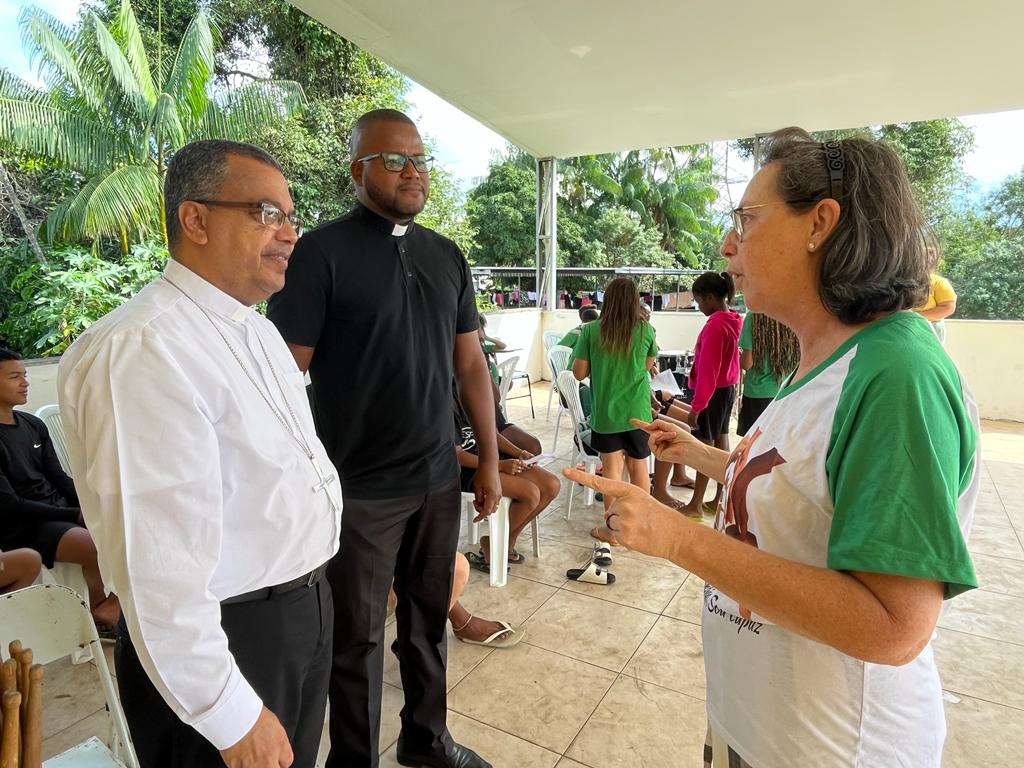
<point>716,358</point>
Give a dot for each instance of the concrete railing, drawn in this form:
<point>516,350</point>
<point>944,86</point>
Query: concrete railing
<point>989,353</point>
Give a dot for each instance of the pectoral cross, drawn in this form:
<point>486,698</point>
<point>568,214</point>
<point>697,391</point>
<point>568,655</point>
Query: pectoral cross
<point>325,480</point>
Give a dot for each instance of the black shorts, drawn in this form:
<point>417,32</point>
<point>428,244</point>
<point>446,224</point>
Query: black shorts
<point>714,420</point>
<point>750,409</point>
<point>42,537</point>
<point>632,441</point>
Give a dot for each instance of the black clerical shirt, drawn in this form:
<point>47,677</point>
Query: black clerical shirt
<point>382,311</point>
<point>33,486</point>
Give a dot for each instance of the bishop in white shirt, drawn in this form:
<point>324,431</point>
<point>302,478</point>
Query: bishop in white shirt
<point>213,505</point>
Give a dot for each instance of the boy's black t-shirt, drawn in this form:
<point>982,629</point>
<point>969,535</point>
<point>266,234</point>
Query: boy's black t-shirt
<point>33,485</point>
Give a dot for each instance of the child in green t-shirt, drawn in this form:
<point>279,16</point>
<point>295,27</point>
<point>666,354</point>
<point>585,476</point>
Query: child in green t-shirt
<point>616,352</point>
<point>769,352</point>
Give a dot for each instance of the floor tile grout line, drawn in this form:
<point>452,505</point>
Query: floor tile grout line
<point>965,695</point>
<point>102,708</point>
<point>508,733</point>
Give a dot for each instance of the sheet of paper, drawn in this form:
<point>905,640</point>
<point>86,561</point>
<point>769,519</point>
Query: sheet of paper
<point>540,458</point>
<point>666,382</point>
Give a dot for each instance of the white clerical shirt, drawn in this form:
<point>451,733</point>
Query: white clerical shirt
<point>191,487</point>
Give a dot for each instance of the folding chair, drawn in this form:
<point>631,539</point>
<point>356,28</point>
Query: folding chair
<point>54,622</point>
<point>569,388</point>
<point>551,338</point>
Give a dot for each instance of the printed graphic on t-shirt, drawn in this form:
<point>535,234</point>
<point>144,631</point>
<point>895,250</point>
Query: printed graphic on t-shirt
<point>733,518</point>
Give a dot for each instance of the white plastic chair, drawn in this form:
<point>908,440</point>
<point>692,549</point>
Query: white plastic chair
<point>54,622</point>
<point>569,388</point>
<point>498,537</point>
<point>551,338</point>
<point>506,374</point>
<point>50,415</point>
<point>558,359</point>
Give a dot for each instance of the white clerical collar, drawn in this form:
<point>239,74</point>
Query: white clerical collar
<point>205,293</point>
<point>399,230</point>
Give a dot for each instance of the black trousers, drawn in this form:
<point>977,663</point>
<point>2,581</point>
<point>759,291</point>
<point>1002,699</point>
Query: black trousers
<point>413,540</point>
<point>282,647</point>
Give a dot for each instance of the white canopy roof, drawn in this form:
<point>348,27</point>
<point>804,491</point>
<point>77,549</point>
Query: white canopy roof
<point>562,78</point>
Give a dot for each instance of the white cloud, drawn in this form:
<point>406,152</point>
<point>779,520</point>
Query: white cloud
<point>998,150</point>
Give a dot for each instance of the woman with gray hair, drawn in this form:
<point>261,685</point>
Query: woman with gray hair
<point>843,528</point>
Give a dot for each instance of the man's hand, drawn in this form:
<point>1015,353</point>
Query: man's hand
<point>486,489</point>
<point>668,441</point>
<point>634,518</point>
<point>264,746</point>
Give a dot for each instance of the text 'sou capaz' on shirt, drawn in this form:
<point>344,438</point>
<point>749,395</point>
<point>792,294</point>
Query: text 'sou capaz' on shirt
<point>869,463</point>
<point>193,491</point>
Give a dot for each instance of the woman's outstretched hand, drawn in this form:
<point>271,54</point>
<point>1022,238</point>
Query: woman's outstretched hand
<point>669,441</point>
<point>634,518</point>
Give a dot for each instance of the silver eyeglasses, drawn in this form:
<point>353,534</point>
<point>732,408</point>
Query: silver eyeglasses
<point>396,161</point>
<point>270,215</point>
<point>737,213</point>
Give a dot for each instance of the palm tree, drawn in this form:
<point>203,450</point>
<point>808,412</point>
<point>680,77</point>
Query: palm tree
<point>107,116</point>
<point>669,189</point>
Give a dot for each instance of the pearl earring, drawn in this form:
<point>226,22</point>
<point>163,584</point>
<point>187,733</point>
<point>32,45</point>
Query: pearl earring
<point>810,246</point>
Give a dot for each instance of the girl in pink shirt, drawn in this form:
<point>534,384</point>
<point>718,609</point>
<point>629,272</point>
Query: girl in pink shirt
<point>715,373</point>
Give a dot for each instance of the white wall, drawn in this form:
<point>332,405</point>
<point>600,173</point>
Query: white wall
<point>989,353</point>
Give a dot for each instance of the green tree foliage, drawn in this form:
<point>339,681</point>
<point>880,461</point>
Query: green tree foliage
<point>933,151</point>
<point>503,211</point>
<point>106,115</point>
<point>52,304</point>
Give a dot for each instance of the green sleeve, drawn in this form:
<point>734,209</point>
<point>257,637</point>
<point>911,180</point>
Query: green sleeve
<point>652,344</point>
<point>747,333</point>
<point>901,454</point>
<point>570,339</point>
<point>581,350</point>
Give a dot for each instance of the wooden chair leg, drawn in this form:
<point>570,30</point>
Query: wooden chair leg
<point>32,727</point>
<point>9,741</point>
<point>9,676</point>
<point>24,680</point>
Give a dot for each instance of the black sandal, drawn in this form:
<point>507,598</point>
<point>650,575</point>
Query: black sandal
<point>478,562</point>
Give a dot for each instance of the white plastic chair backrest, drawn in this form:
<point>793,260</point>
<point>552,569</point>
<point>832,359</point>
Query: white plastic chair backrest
<point>50,416</point>
<point>551,338</point>
<point>558,359</point>
<point>48,618</point>
<point>506,372</point>
<point>569,388</point>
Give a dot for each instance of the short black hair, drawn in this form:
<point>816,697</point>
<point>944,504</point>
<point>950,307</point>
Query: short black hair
<point>197,171</point>
<point>718,284</point>
<point>6,353</point>
<point>588,314</point>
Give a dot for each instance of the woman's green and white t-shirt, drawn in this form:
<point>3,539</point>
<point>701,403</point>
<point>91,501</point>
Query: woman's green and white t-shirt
<point>869,463</point>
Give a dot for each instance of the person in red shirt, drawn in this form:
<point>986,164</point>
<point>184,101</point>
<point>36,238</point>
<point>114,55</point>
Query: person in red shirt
<point>715,373</point>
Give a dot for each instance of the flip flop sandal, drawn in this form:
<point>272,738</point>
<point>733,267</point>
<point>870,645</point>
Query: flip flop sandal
<point>710,509</point>
<point>478,562</point>
<point>602,554</point>
<point>687,484</point>
<point>516,557</point>
<point>505,637</point>
<point>592,574</point>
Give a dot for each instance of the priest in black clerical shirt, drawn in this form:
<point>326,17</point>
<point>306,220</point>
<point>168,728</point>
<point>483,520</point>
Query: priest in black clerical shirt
<point>382,313</point>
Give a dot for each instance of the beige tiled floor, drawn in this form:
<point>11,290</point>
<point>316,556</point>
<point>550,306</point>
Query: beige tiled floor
<point>614,676</point>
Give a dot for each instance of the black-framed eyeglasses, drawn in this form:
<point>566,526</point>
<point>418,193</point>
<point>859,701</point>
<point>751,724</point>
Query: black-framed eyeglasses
<point>396,161</point>
<point>270,215</point>
<point>737,213</point>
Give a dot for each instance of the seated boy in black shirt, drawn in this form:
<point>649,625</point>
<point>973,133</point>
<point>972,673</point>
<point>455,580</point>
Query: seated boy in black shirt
<point>38,503</point>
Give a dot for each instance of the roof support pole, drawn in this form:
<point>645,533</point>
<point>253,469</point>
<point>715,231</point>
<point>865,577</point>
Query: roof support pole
<point>547,232</point>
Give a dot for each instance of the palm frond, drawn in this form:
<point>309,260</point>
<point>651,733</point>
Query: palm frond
<point>69,139</point>
<point>244,110</point>
<point>52,43</point>
<point>164,123</point>
<point>125,29</point>
<point>193,68</point>
<point>128,196</point>
<point>14,87</point>
<point>109,63</point>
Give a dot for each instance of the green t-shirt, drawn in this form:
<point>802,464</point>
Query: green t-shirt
<point>620,385</point>
<point>758,380</point>
<point>570,339</point>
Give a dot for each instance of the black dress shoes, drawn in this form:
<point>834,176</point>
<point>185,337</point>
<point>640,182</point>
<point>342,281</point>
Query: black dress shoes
<point>458,756</point>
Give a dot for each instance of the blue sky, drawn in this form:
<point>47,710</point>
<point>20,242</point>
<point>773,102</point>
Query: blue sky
<point>465,147</point>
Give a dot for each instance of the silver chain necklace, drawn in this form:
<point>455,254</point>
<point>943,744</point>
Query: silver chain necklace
<point>296,434</point>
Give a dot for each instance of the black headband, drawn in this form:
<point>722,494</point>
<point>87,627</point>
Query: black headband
<point>835,164</point>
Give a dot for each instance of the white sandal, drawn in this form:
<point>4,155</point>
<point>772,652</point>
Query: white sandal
<point>505,637</point>
<point>592,574</point>
<point>602,554</point>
